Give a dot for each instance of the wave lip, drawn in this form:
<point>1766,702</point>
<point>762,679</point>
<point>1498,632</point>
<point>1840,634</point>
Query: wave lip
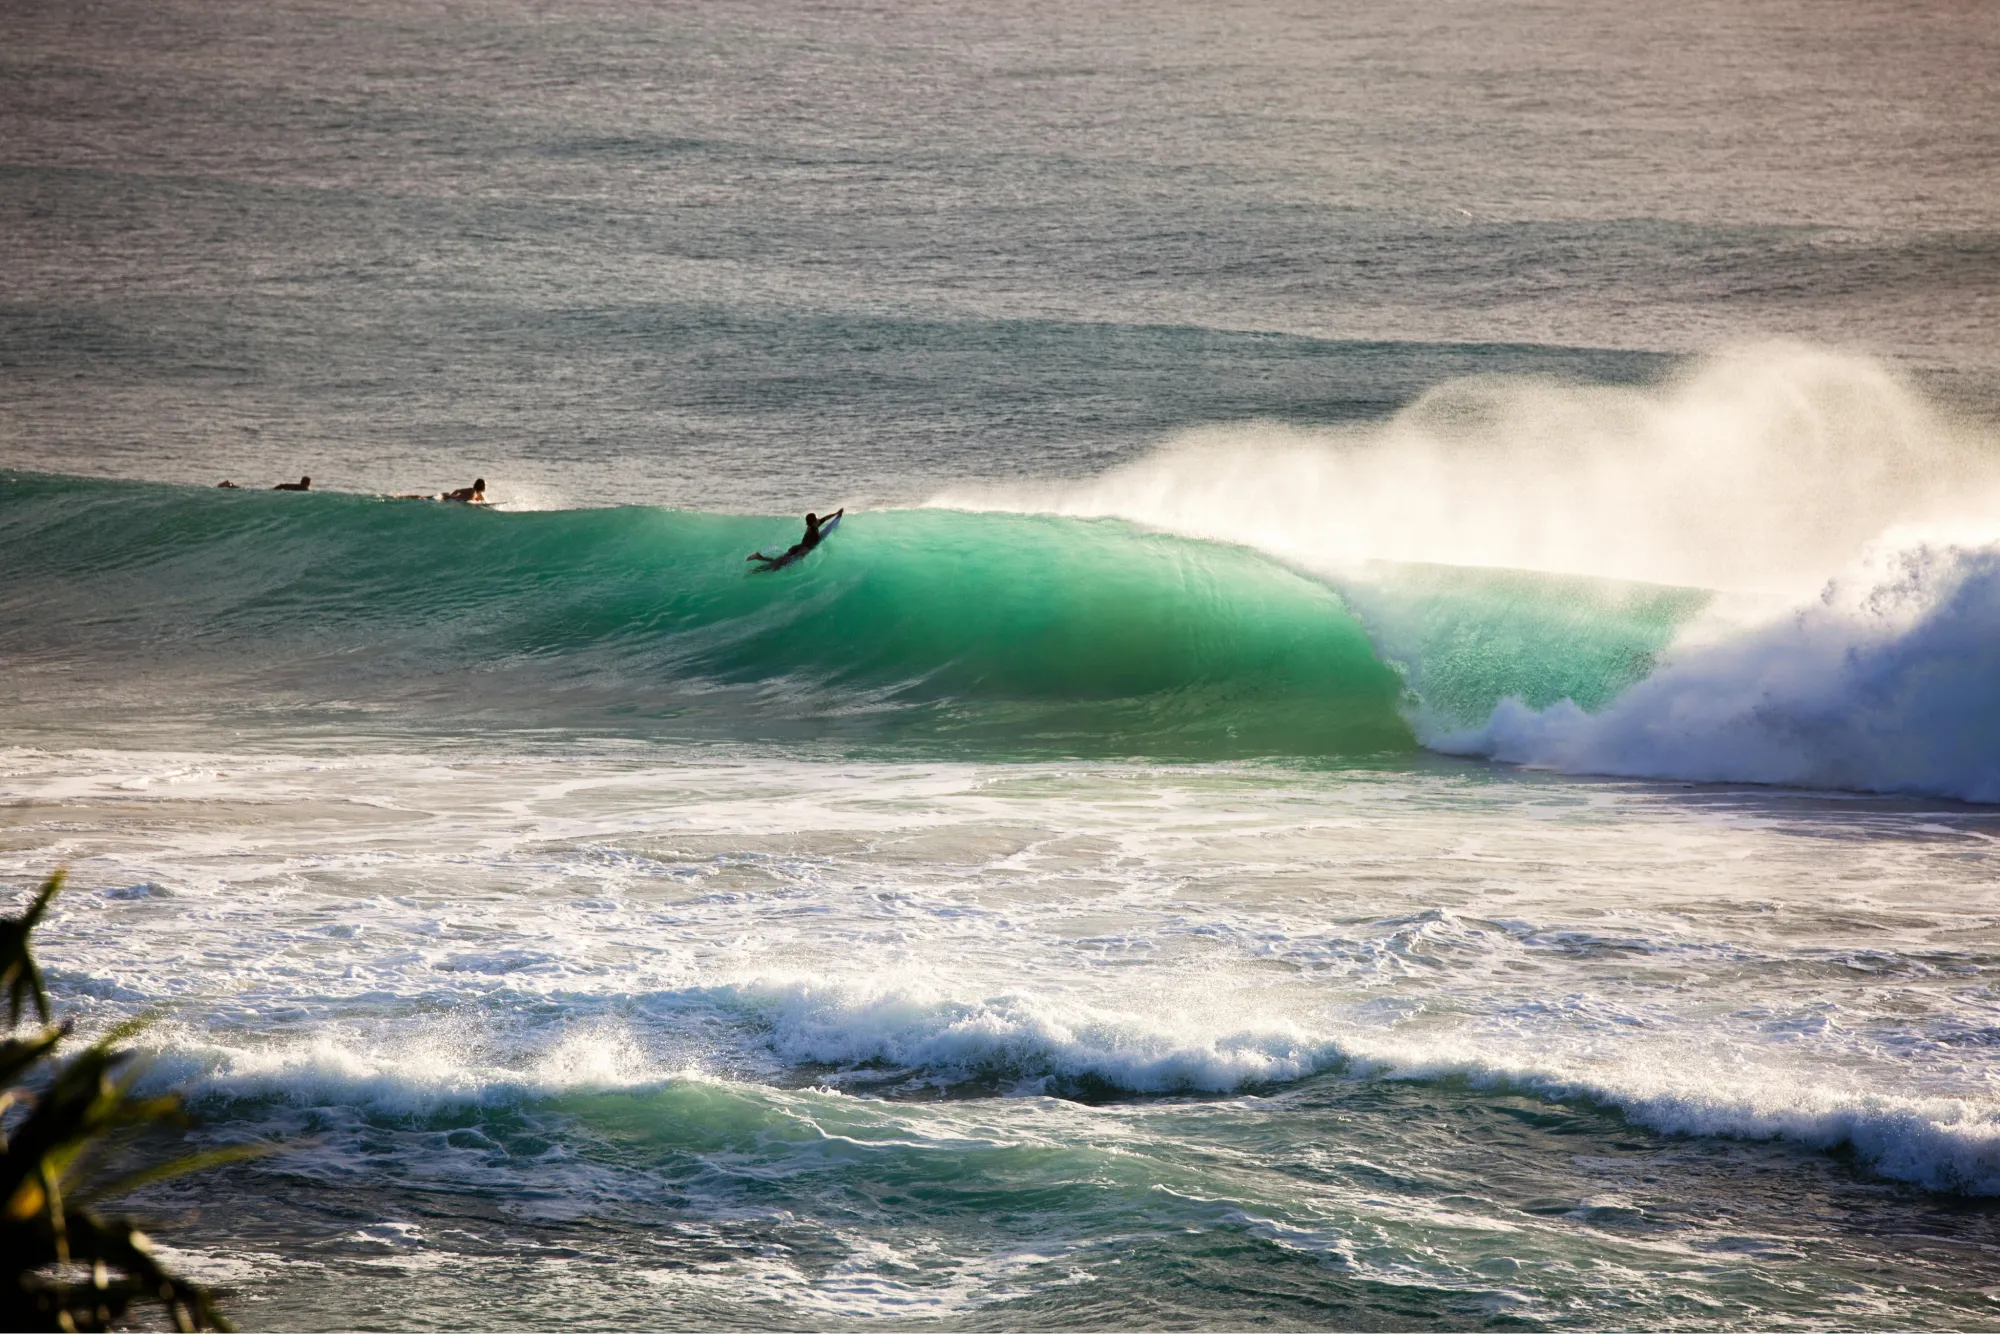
<point>1889,682</point>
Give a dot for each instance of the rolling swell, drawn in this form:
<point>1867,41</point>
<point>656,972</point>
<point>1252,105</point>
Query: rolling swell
<point>1030,632</point>
<point>1026,633</point>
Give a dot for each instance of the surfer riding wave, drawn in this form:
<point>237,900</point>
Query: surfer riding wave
<point>816,531</point>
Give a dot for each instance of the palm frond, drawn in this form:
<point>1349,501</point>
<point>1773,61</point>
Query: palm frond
<point>20,977</point>
<point>76,1110</point>
<point>178,1167</point>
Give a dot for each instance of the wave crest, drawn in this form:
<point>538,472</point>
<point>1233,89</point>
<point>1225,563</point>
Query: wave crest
<point>1889,682</point>
<point>1688,1088</point>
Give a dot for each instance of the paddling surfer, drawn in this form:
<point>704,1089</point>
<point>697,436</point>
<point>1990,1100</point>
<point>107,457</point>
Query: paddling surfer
<point>815,527</point>
<point>468,495</point>
<point>303,484</point>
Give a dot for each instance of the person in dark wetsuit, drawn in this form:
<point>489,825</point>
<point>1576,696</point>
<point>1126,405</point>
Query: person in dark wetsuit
<point>799,548</point>
<point>303,484</point>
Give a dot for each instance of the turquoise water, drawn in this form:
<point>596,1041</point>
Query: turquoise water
<point>1400,731</point>
<point>995,919</point>
<point>1014,634</point>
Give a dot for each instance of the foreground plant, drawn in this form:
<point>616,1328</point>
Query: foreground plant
<point>62,1265</point>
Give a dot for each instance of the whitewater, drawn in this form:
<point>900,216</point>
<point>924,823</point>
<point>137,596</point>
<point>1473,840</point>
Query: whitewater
<point>1840,532</point>
<point>1402,729</point>
<point>557,862</point>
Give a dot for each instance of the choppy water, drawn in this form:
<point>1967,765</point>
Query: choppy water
<point>1401,730</point>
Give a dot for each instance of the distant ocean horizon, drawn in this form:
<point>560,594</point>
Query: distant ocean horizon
<point>1402,728</point>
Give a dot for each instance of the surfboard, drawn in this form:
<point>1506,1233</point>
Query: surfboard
<point>825,530</point>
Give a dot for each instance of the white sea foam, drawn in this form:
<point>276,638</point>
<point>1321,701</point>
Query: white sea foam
<point>1815,483</point>
<point>1889,681</point>
<point>873,1281</point>
<point>1694,1084</point>
<point>1762,468</point>
<point>1689,1086</point>
<point>1033,928</point>
<point>416,1070</point>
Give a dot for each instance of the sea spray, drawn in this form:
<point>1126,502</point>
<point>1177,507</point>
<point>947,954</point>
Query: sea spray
<point>1763,469</point>
<point>1847,518</point>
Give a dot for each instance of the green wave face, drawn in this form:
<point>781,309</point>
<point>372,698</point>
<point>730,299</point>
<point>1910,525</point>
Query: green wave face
<point>1007,633</point>
<point>1465,639</point>
<point>1025,633</point>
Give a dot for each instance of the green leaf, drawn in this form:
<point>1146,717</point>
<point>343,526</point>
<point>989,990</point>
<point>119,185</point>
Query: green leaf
<point>76,1111</point>
<point>194,1162</point>
<point>20,977</point>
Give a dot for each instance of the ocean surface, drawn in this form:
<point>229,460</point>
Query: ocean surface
<point>1402,731</point>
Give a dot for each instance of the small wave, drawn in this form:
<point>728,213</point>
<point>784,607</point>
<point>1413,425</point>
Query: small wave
<point>1941,1143</point>
<point>1020,1043</point>
<point>439,1065</point>
<point>1023,1038</point>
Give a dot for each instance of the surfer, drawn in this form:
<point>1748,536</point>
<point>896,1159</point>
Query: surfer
<point>303,484</point>
<point>226,485</point>
<point>816,528</point>
<point>468,495</point>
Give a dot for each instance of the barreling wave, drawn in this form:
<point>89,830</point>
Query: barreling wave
<point>1854,525</point>
<point>1435,580</point>
<point>1033,634</point>
<point>1888,682</point>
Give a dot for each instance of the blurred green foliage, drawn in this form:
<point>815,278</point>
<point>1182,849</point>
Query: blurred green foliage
<point>63,1266</point>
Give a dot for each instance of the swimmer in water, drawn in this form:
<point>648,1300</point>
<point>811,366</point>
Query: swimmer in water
<point>303,484</point>
<point>469,495</point>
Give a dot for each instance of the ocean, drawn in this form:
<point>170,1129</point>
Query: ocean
<point>1402,729</point>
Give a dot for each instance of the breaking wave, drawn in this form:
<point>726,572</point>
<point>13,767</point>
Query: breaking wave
<point>1032,1044</point>
<point>1846,531</point>
<point>1777,567</point>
